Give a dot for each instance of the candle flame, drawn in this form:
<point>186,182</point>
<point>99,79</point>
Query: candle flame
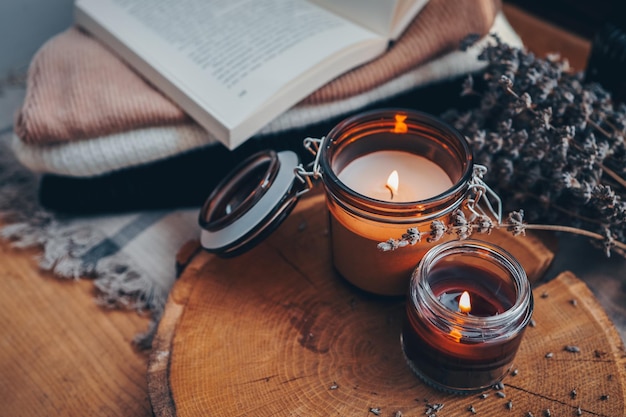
<point>393,182</point>
<point>464,303</point>
<point>400,126</point>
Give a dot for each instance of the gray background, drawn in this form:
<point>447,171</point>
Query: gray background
<point>24,26</point>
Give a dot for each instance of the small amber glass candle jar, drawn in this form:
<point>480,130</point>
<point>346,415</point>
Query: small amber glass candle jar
<point>465,346</point>
<point>435,167</point>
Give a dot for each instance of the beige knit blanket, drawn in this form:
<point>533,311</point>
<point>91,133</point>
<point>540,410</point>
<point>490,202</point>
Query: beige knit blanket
<point>78,89</point>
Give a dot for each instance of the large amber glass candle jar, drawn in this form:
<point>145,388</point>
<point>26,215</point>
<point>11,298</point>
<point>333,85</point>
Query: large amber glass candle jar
<point>383,172</point>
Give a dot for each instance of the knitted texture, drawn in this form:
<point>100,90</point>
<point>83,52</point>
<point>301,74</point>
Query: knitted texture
<point>112,152</point>
<point>78,89</point>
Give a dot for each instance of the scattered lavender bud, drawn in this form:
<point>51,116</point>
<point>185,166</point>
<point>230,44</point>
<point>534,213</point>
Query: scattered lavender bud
<point>509,405</point>
<point>532,323</point>
<point>547,413</point>
<point>572,349</point>
<point>514,372</point>
<point>604,397</point>
<point>397,413</point>
<point>579,411</point>
<point>549,355</point>
<point>544,295</point>
<point>471,409</point>
<point>573,302</point>
<point>334,386</point>
<point>375,411</point>
<point>573,393</point>
<point>483,395</point>
<point>501,394</point>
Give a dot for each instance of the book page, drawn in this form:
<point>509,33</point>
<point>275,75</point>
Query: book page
<point>376,15</point>
<point>389,18</point>
<point>405,13</point>
<point>228,55</point>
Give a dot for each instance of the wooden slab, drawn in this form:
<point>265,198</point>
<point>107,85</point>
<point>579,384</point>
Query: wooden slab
<point>62,354</point>
<point>276,332</point>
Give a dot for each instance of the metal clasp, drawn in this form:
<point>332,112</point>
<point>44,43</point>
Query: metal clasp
<point>313,145</point>
<point>480,192</point>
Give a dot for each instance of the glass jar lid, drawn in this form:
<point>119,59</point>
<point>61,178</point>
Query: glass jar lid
<point>249,203</point>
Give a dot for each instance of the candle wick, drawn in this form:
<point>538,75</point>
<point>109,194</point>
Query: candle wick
<point>390,190</point>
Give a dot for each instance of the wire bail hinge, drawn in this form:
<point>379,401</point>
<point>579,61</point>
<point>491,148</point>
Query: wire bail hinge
<point>479,202</point>
<point>313,145</point>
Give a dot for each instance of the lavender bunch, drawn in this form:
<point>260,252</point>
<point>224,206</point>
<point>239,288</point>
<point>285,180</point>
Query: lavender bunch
<point>552,144</point>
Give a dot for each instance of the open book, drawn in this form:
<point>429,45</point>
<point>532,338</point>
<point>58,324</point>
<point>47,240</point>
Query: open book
<point>234,65</point>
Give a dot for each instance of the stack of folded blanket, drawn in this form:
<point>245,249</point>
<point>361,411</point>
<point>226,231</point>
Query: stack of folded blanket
<point>106,140</point>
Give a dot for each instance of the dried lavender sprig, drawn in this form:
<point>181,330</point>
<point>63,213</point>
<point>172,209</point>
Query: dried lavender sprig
<point>549,141</point>
<point>463,228</point>
<point>614,175</point>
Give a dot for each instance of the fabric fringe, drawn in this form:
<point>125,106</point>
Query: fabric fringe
<point>120,284</point>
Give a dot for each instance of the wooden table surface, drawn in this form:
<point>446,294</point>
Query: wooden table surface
<point>62,354</point>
